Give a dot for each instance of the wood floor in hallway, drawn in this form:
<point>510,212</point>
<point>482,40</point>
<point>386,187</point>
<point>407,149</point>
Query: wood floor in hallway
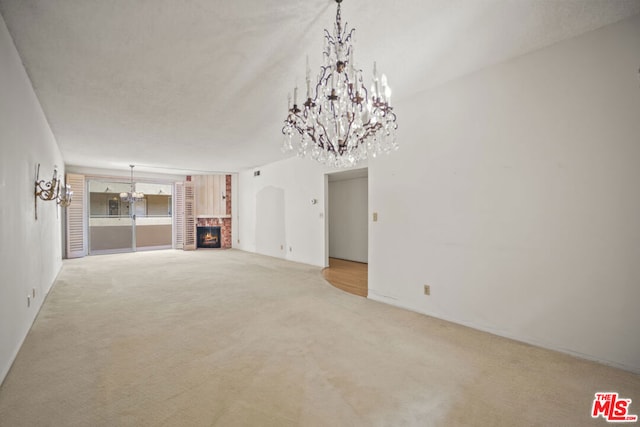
<point>349,276</point>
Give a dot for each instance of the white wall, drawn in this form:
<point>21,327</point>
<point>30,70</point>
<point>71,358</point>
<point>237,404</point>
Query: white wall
<point>515,196</point>
<point>30,251</point>
<point>348,224</point>
<point>275,209</point>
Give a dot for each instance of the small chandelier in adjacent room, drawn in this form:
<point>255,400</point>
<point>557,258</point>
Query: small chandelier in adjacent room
<point>341,122</point>
<point>131,195</point>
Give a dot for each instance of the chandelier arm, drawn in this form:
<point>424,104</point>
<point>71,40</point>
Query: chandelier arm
<point>346,139</point>
<point>366,136</point>
<point>366,93</point>
<point>287,125</point>
<point>310,133</point>
<point>372,130</point>
<point>299,128</point>
<point>388,112</point>
<point>328,35</point>
<point>354,101</point>
<point>344,36</point>
<point>393,115</point>
<point>330,41</point>
<point>325,138</point>
<point>348,37</point>
<point>326,144</point>
<point>353,93</point>
<point>324,72</point>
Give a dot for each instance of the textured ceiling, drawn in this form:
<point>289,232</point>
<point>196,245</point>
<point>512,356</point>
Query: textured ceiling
<point>201,85</point>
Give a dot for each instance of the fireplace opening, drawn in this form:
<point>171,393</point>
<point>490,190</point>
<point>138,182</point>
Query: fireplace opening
<point>209,237</point>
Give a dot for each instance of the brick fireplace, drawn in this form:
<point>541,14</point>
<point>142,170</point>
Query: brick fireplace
<point>225,229</point>
<point>208,237</point>
<point>223,221</point>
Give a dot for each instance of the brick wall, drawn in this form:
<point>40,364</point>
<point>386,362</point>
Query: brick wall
<point>228,191</point>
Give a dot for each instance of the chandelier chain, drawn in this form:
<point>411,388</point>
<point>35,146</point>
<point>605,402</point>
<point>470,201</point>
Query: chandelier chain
<point>339,19</point>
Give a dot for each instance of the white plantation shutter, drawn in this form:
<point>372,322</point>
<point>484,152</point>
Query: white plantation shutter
<point>189,242</point>
<point>76,218</point>
<point>178,216</point>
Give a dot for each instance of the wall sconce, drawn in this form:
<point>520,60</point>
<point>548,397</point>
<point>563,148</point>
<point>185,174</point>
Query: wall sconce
<point>51,190</point>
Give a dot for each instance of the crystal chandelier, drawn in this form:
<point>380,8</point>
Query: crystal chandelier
<point>131,195</point>
<point>341,123</point>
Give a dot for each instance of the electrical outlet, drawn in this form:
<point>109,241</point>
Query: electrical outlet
<point>281,247</point>
<point>427,290</point>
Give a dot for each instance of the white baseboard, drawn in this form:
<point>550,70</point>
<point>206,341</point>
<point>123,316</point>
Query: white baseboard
<point>386,299</point>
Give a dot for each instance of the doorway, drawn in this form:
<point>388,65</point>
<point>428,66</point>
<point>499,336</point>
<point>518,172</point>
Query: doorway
<point>347,237</point>
<point>116,225</point>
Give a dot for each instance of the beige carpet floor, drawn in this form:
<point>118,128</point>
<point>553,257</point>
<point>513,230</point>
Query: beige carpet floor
<point>227,338</point>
